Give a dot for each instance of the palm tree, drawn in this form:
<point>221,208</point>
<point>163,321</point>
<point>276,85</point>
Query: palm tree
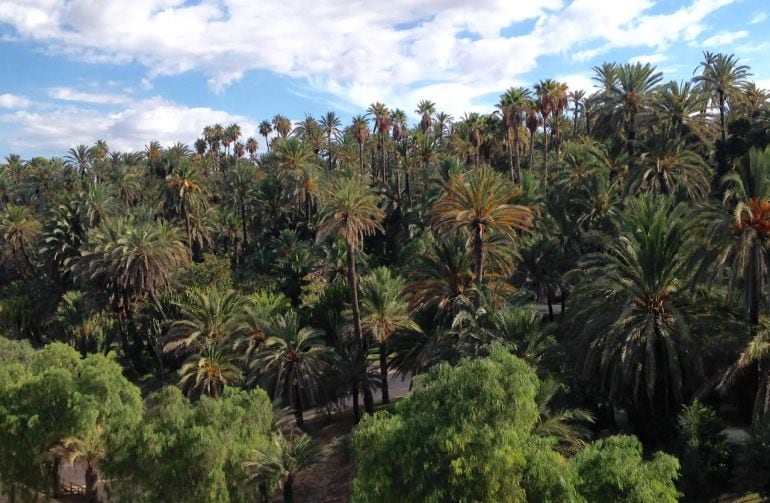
<point>382,122</point>
<point>360,133</point>
<point>629,99</point>
<point>265,128</point>
<point>533,122</point>
<point>90,451</point>
<point>630,316</point>
<point>736,232</point>
<point>546,90</point>
<point>566,426</point>
<point>480,203</point>
<point>153,152</point>
<point>578,101</point>
<point>231,135</point>
<point>292,358</point>
<point>475,126</point>
<point>282,125</point>
<point>251,147</point>
<point>331,125</point>
<point>442,278</point>
<point>722,78</point>
<point>756,352</point>
<point>79,158</point>
<point>678,105</point>
<point>183,193</point>
<point>667,166</point>
<point>384,312</point>
<point>281,461</point>
<point>513,104</point>
<point>208,372</point>
<point>426,109</point>
<point>20,230</point>
<point>241,184</point>
<point>352,213</point>
<point>207,318</point>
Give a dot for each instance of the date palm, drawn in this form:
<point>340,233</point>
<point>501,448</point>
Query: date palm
<point>184,194</point>
<point>479,204</point>
<point>282,125</point>
<point>291,360</point>
<point>207,317</point>
<point>426,109</point>
<point>208,372</point>
<point>360,133</point>
<point>667,166</point>
<point>546,91</point>
<point>351,212</point>
<point>241,184</point>
<point>281,461</point>
<point>251,147</point>
<point>722,77</point>
<point>20,231</point>
<point>331,125</point>
<point>90,450</point>
<point>384,311</point>
<point>513,104</point>
<point>382,123</point>
<point>629,310</point>
<point>79,158</point>
<point>577,97</point>
<point>679,105</point>
<point>265,128</point>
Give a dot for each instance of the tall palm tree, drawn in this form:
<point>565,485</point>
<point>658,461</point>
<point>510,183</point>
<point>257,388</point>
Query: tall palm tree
<point>231,135</point>
<point>475,127</point>
<point>80,158</point>
<point>291,359</point>
<point>513,104</point>
<point>578,101</point>
<point>533,121</point>
<point>331,125</point>
<point>241,184</point>
<point>630,314</point>
<point>426,109</point>
<point>281,125</point>
<point>183,194</point>
<point>360,133</point>
<point>480,203</point>
<point>382,123</point>
<point>281,461</point>
<point>545,90</point>
<point>265,128</point>
<point>251,147</point>
<point>678,105</point>
<point>384,312</point>
<point>722,77</point>
<point>351,212</point>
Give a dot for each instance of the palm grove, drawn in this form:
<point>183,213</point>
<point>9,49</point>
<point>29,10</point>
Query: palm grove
<point>568,268</point>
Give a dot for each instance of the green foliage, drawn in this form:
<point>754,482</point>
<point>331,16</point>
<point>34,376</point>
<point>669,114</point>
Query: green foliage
<point>752,470</point>
<point>612,469</point>
<point>462,435</point>
<point>703,451</point>
<point>213,272</point>
<point>54,394</point>
<point>192,452</point>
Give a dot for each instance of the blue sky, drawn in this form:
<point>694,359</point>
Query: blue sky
<point>130,71</point>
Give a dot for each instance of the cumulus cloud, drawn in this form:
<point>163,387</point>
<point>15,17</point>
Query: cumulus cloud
<point>360,51</point>
<point>8,100</point>
<point>126,129</point>
<point>725,38</point>
<point>70,94</point>
<point>758,17</point>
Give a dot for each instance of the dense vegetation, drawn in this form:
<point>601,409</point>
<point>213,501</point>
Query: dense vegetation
<point>577,283</point>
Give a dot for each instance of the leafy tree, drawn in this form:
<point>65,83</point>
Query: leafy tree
<point>613,469</point>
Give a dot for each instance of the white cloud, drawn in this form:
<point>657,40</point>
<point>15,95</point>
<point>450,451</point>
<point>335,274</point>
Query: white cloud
<point>360,51</point>
<point>127,129</point>
<point>725,38</point>
<point>758,17</point>
<point>70,94</point>
<point>8,100</point>
<point>652,59</point>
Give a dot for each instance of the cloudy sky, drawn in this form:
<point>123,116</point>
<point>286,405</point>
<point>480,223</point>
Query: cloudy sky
<point>130,71</point>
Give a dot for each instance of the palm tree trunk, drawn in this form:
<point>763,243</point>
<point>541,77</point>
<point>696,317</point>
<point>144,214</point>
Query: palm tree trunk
<point>243,223</point>
<point>516,158</point>
<point>574,128</point>
<point>510,157</point>
<point>545,154</point>
<point>408,187</point>
<point>368,400</point>
<point>91,480</point>
<point>478,251</point>
<point>761,397</point>
<point>384,371</point>
<point>549,299</point>
<point>361,157</point>
<point>531,150</point>
<point>353,285</point>
<point>722,116</point>
<point>298,414</point>
<point>329,148</point>
<point>354,396</point>
<point>288,489</point>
